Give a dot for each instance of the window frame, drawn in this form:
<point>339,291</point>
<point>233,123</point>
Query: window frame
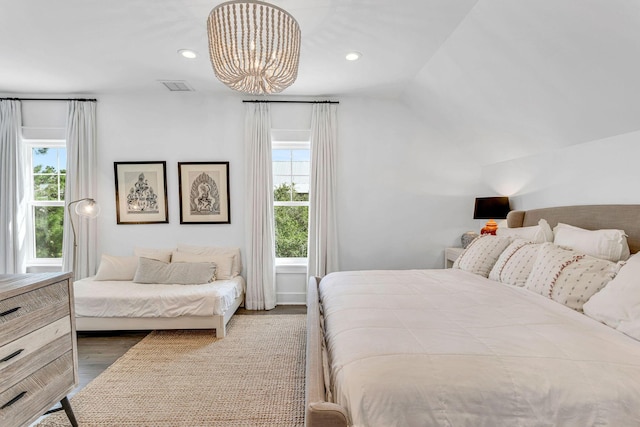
<point>291,264</point>
<point>29,144</point>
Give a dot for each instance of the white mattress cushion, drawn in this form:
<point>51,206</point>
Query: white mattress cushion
<point>129,299</point>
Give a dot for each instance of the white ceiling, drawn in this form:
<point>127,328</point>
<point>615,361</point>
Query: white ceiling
<point>98,46</point>
<point>500,79</point>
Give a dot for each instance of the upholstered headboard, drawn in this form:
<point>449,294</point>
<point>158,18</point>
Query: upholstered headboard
<point>590,217</point>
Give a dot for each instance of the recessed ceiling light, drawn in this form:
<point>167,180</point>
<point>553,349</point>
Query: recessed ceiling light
<point>353,56</point>
<point>188,53</point>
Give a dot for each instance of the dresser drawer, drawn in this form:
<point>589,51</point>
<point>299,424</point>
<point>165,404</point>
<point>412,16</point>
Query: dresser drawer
<point>27,312</point>
<point>24,356</point>
<point>37,393</point>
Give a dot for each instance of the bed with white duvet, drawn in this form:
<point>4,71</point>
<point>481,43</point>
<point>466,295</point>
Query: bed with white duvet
<point>457,348</point>
<point>192,287</point>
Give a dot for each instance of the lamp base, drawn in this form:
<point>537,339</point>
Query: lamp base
<point>490,227</point>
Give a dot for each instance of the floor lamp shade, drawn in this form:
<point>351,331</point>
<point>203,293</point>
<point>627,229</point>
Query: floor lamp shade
<point>491,208</point>
<point>86,207</point>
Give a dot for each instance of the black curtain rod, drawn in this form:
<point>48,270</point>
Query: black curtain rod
<point>292,102</point>
<point>49,99</point>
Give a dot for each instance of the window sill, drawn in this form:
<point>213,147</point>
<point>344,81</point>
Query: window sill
<point>291,265</point>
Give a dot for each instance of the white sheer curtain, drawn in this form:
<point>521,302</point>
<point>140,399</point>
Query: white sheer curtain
<point>80,183</point>
<point>13,216</point>
<point>260,235</point>
<point>323,232</point>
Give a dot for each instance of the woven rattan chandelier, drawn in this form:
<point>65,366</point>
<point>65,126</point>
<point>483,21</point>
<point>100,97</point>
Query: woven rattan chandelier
<point>254,46</point>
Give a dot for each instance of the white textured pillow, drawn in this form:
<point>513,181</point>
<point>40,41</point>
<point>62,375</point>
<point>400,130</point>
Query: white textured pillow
<point>618,304</point>
<point>537,234</point>
<point>117,267</point>
<point>154,271</point>
<point>482,254</point>
<point>567,276</point>
<point>228,259</point>
<point>515,263</point>
<point>605,244</point>
<point>159,254</point>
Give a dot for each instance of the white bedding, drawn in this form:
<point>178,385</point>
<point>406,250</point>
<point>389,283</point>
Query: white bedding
<point>128,299</point>
<point>450,348</point>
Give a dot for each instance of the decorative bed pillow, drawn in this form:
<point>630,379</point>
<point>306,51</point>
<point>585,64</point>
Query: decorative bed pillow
<point>223,264</point>
<point>482,254</point>
<point>117,267</point>
<point>567,276</point>
<point>537,234</point>
<point>515,263</point>
<point>605,244</point>
<point>159,254</point>
<point>227,259</point>
<point>618,304</point>
<point>192,273</point>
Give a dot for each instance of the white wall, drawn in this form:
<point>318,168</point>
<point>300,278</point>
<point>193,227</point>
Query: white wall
<point>403,192</point>
<point>598,172</point>
<point>174,127</point>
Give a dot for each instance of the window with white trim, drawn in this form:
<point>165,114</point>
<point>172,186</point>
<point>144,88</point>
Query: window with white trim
<point>47,166</point>
<point>291,172</point>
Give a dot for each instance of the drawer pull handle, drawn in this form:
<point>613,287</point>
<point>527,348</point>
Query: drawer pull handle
<point>14,400</point>
<point>12,355</point>
<point>13,310</point>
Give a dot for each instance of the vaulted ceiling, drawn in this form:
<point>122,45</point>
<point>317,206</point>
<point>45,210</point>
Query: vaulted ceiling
<point>502,78</point>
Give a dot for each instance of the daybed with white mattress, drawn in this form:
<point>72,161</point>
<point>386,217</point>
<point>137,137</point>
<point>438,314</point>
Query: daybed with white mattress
<point>120,298</point>
<point>454,348</point>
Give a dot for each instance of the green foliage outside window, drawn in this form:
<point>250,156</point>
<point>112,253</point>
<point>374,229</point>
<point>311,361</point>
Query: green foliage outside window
<point>292,223</point>
<point>48,186</point>
<point>48,226</point>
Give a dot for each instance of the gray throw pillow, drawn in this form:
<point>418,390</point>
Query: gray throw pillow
<point>182,273</point>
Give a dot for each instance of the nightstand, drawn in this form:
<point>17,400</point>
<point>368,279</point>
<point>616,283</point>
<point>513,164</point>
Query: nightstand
<point>450,255</point>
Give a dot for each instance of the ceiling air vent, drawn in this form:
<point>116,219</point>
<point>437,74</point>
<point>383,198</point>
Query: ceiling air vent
<point>177,85</point>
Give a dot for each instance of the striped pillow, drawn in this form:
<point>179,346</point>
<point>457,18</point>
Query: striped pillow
<point>569,277</point>
<point>515,263</point>
<point>482,254</point>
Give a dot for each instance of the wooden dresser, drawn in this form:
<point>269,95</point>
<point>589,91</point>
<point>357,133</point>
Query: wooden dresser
<point>38,348</point>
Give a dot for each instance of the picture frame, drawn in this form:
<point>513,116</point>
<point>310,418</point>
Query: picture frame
<point>204,193</point>
<point>141,192</point>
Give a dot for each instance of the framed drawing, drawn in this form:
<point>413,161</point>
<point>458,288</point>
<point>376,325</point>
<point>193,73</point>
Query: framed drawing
<point>141,192</point>
<point>204,193</point>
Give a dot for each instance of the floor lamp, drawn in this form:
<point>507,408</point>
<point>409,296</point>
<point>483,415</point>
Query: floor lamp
<point>86,207</point>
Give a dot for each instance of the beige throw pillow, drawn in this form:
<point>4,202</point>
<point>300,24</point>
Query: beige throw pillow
<point>117,267</point>
<point>227,259</point>
<point>159,254</point>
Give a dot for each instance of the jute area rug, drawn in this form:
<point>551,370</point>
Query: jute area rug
<point>252,377</point>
